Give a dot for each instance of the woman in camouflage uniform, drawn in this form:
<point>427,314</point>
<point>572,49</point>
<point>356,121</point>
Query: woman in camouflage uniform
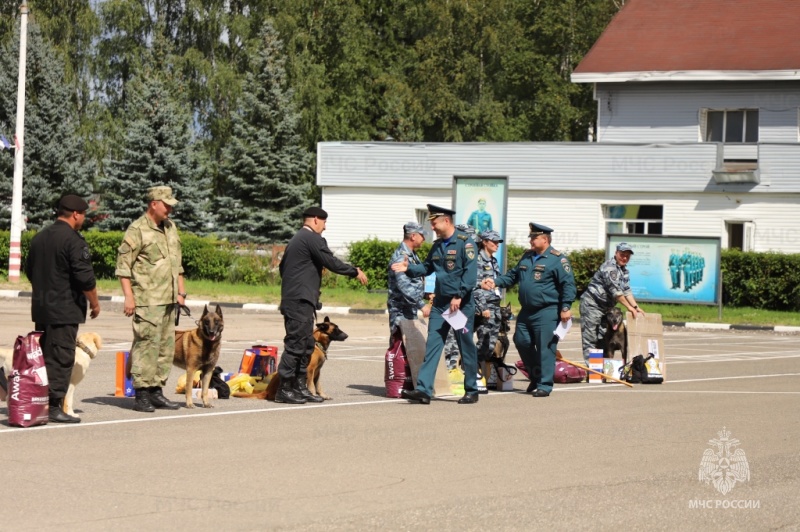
<point>487,302</point>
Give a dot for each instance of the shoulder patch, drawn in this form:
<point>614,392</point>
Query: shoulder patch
<point>555,252</point>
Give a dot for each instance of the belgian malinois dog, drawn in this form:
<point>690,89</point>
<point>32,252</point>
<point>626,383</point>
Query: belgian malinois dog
<point>325,333</point>
<point>198,349</point>
<point>616,337</point>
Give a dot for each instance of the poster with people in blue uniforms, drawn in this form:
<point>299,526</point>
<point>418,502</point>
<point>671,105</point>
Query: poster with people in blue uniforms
<point>672,269</point>
<point>481,202</point>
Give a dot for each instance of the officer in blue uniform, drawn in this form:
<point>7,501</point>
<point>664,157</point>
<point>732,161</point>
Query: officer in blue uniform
<point>546,292</point>
<point>453,259</point>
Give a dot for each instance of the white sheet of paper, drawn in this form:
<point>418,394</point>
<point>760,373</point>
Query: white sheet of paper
<point>457,319</point>
<point>562,329</point>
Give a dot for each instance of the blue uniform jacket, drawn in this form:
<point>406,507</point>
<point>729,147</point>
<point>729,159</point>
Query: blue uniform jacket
<point>543,281</point>
<point>455,265</point>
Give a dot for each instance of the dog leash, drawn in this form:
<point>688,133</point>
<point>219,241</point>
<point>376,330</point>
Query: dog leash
<point>186,312</point>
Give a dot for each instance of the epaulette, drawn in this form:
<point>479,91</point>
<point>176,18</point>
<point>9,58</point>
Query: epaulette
<point>555,252</point>
<point>462,236</point>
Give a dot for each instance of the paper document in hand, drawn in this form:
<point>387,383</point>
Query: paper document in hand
<point>457,319</point>
<point>562,329</point>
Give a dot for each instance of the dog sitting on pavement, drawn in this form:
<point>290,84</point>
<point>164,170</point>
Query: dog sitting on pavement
<point>616,337</point>
<point>198,349</point>
<point>325,333</point>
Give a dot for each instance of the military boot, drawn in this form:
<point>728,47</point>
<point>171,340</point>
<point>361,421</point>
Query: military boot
<point>159,401</point>
<point>302,390</point>
<point>142,401</point>
<point>287,395</point>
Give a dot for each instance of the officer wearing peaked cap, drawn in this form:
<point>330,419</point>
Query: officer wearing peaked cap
<point>453,258</point>
<point>546,292</point>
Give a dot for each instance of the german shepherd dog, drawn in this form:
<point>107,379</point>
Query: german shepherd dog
<point>325,333</point>
<point>616,337</point>
<point>198,349</point>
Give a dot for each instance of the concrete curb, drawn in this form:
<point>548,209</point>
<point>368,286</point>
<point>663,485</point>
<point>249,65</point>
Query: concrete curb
<point>344,311</point>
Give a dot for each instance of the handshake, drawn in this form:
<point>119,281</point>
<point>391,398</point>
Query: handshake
<point>487,284</point>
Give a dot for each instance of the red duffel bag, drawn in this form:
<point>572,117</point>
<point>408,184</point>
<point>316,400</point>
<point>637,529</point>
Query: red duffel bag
<point>28,403</point>
<point>565,373</point>
<point>397,374</point>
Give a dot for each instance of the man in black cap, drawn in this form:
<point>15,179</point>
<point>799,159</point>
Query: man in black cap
<point>59,268</point>
<point>301,277</point>
<point>546,293</point>
<point>453,258</point>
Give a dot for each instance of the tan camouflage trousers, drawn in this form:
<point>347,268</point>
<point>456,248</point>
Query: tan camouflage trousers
<point>153,345</point>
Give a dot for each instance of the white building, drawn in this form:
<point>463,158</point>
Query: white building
<point>698,133</point>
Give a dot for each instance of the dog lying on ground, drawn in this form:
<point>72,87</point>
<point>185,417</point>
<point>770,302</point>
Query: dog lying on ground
<point>87,347</point>
<point>325,333</point>
<point>198,349</point>
<point>616,337</point>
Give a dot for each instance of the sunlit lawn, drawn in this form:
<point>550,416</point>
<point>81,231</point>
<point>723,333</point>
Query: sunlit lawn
<point>355,298</point>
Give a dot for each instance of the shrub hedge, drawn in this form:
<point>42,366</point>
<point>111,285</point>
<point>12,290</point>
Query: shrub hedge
<point>767,280</point>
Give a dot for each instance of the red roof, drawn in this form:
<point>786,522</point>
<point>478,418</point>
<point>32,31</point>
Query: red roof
<point>697,35</point>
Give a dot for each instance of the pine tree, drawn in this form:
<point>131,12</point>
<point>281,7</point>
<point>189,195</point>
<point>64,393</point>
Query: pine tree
<point>53,163</point>
<point>264,163</point>
<point>158,149</point>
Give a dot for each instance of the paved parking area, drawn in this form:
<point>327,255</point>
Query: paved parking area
<point>589,457</point>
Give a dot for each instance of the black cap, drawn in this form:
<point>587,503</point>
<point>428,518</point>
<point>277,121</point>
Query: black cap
<point>315,212</point>
<point>71,202</point>
<point>435,211</point>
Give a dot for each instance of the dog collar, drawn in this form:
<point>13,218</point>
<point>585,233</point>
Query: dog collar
<point>85,349</point>
<point>321,348</point>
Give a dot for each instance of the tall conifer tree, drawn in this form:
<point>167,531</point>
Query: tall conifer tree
<point>158,149</point>
<point>53,163</point>
<point>264,163</point>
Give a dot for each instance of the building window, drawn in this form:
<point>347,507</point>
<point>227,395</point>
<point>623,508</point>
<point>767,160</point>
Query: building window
<point>634,219</point>
<point>422,219</point>
<point>732,126</point>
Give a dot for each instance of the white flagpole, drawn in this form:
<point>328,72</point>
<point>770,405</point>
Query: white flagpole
<point>15,250</point>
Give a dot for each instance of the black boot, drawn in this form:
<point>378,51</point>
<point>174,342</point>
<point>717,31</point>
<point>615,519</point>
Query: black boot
<point>287,395</point>
<point>57,415</point>
<point>142,401</point>
<point>302,390</point>
<point>158,400</point>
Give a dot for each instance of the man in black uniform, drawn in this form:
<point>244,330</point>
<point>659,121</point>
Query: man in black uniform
<point>59,268</point>
<point>301,276</point>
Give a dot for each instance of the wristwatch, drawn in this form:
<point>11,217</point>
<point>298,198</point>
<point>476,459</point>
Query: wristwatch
<point>182,294</point>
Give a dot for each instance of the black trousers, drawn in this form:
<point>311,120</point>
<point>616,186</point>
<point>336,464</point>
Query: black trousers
<point>58,348</point>
<point>298,344</point>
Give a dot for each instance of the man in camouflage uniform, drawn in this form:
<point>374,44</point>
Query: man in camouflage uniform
<point>150,271</point>
<point>405,293</point>
<point>609,285</point>
<point>487,302</point>
<point>451,352</point>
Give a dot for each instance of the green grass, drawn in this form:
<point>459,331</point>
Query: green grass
<point>346,297</point>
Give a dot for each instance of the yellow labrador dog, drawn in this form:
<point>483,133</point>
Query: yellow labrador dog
<point>86,349</point>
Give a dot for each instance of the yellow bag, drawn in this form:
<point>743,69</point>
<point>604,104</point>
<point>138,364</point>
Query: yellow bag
<point>181,386</point>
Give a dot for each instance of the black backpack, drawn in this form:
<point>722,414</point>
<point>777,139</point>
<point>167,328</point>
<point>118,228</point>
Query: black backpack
<point>636,371</point>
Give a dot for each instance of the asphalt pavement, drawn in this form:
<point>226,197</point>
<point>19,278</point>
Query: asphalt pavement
<point>713,448</point>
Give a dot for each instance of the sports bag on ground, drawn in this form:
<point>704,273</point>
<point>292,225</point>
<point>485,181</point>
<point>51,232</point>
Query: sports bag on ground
<point>397,374</point>
<point>28,403</point>
<point>636,372</point>
<point>567,373</point>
